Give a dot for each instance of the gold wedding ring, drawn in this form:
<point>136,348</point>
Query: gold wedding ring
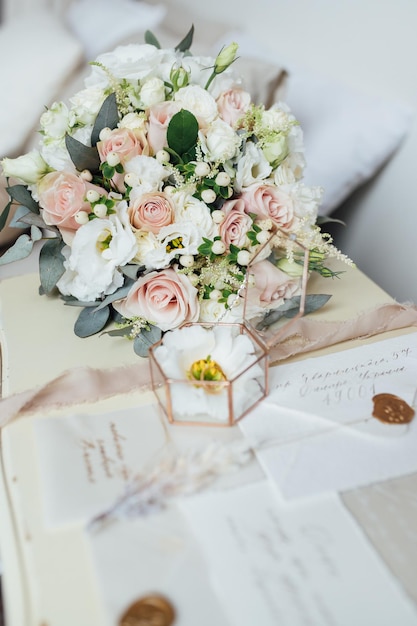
<point>151,610</point>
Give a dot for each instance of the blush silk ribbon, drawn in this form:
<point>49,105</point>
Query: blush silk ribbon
<point>87,385</point>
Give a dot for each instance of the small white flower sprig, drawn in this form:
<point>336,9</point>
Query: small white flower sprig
<point>152,190</point>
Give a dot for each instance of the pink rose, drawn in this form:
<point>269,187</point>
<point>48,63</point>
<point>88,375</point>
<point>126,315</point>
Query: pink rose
<point>62,195</point>
<point>165,299</point>
<point>271,284</point>
<point>267,201</point>
<point>159,117</point>
<point>233,104</point>
<point>126,142</point>
<point>151,212</point>
<point>236,224</point>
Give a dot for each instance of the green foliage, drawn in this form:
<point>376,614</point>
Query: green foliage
<point>19,250</point>
<point>186,43</point>
<point>51,263</point>
<point>291,308</point>
<point>21,195</point>
<point>182,133</point>
<point>91,321</point>
<point>145,339</point>
<point>108,117</point>
<point>83,157</point>
<point>151,39</point>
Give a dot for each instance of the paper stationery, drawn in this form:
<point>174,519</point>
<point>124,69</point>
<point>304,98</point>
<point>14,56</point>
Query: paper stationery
<point>294,565</point>
<point>85,461</point>
<point>155,554</point>
<point>315,432</point>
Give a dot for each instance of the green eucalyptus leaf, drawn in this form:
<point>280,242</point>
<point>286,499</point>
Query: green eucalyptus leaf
<point>151,39</point>
<point>20,214</point>
<point>4,215</point>
<point>35,233</point>
<point>291,307</point>
<point>21,194</point>
<point>19,250</point>
<point>132,271</point>
<point>146,339</point>
<point>90,321</point>
<point>117,295</point>
<point>119,332</point>
<point>51,263</point>
<point>108,117</point>
<point>83,157</point>
<point>186,43</point>
<point>182,132</point>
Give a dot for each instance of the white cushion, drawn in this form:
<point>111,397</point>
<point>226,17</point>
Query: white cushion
<point>348,135</point>
<point>38,54</point>
<point>101,25</point>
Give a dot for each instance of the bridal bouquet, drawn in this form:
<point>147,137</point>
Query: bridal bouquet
<point>154,188</point>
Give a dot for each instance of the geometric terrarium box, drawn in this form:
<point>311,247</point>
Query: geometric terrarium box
<point>214,374</point>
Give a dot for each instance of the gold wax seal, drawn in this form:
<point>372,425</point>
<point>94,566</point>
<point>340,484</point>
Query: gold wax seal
<point>392,409</point>
<point>151,610</point>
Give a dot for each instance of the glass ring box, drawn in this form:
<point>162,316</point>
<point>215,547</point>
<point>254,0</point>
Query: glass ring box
<point>215,373</point>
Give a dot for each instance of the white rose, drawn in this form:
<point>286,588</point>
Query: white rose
<point>188,208</point>
<point>97,250</point>
<point>29,168</point>
<point>152,92</point>
<point>277,118</point>
<point>220,142</point>
<point>211,311</point>
<point>199,102</point>
<point>85,105</point>
<point>186,234</point>
<point>252,167</point>
<point>54,122</point>
<point>133,121</point>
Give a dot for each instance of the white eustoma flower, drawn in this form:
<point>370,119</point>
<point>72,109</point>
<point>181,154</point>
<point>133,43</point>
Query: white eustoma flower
<point>131,62</point>
<point>178,238</point>
<point>220,142</point>
<point>252,167</point>
<point>231,351</point>
<point>29,168</point>
<point>149,173</point>
<point>98,249</point>
<point>199,102</point>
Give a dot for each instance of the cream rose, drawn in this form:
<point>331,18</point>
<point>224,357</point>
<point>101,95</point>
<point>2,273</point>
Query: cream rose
<point>233,104</point>
<point>151,212</point>
<point>152,91</point>
<point>127,144</point>
<point>61,196</point>
<point>234,227</point>
<point>268,201</point>
<point>220,142</point>
<point>166,299</point>
<point>271,286</point>
<point>199,102</point>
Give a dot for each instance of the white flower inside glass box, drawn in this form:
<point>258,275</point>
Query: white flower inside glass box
<point>215,373</point>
